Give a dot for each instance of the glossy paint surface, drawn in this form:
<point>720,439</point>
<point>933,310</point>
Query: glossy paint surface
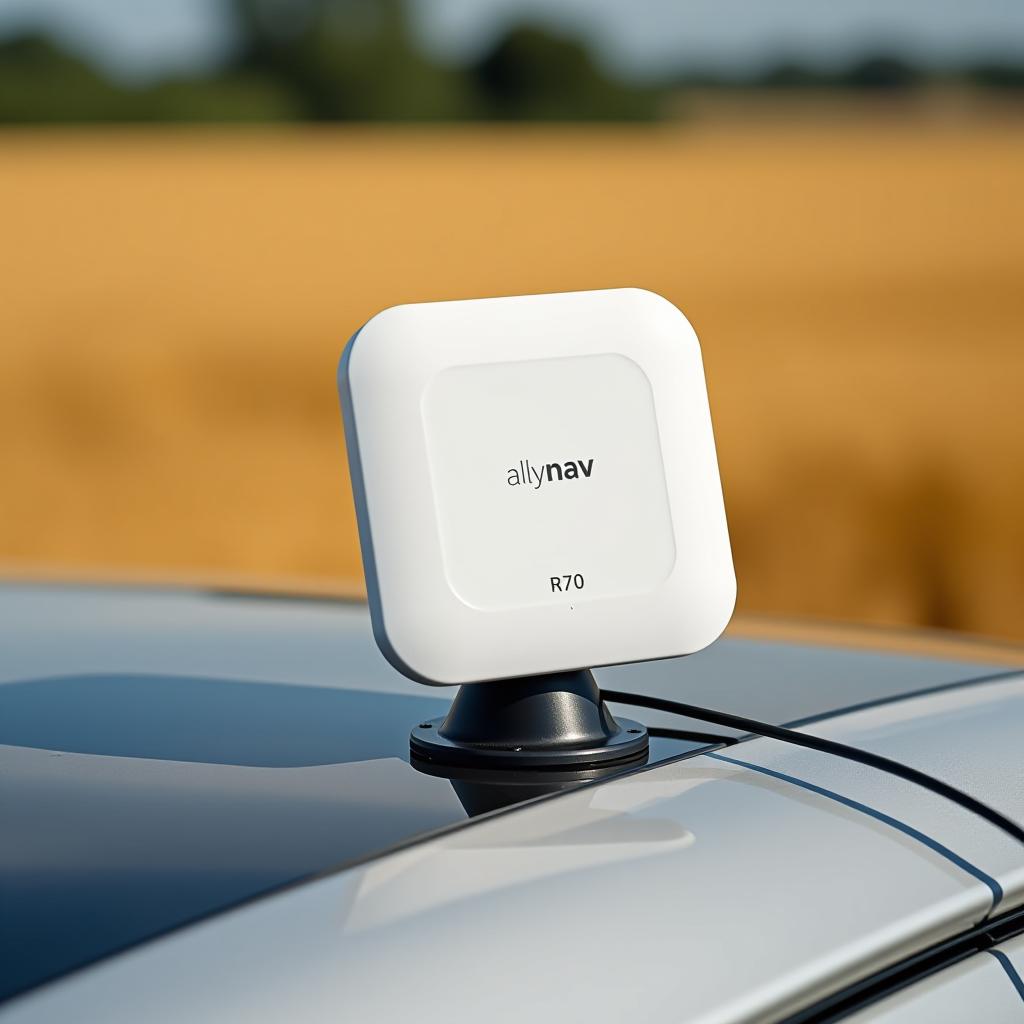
<point>720,890</point>
<point>970,737</point>
<point>165,755</point>
<point>136,801</point>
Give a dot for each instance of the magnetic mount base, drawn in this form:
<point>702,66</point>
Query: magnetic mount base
<point>537,722</point>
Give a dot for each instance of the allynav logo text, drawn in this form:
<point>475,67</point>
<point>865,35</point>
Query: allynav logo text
<point>528,475</point>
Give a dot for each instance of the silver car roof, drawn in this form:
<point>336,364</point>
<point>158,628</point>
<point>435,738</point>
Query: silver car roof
<point>106,640</point>
<point>739,885</point>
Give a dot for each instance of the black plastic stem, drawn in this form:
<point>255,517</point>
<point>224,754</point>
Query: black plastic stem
<point>800,739</point>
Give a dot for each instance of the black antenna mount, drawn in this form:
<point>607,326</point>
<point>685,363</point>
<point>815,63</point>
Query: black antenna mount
<point>535,722</point>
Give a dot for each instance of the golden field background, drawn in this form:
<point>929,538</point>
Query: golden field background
<point>174,302</point>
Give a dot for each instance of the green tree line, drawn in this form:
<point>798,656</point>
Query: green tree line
<point>355,60</point>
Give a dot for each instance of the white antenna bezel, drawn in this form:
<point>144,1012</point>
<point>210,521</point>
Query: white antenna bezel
<point>422,624</point>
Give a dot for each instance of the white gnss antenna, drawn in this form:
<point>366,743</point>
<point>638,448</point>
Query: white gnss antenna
<point>537,494</point>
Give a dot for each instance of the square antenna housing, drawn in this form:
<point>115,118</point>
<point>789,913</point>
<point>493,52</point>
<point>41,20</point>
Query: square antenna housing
<point>536,484</point>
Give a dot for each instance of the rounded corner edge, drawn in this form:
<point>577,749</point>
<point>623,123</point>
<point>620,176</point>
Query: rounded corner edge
<point>720,622</point>
<point>389,648</point>
<point>344,361</point>
<point>667,313</point>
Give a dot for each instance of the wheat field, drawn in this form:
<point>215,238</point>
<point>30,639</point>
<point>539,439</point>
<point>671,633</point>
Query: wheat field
<point>173,305</point>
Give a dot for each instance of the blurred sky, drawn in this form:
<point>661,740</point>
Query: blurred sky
<point>137,39</point>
